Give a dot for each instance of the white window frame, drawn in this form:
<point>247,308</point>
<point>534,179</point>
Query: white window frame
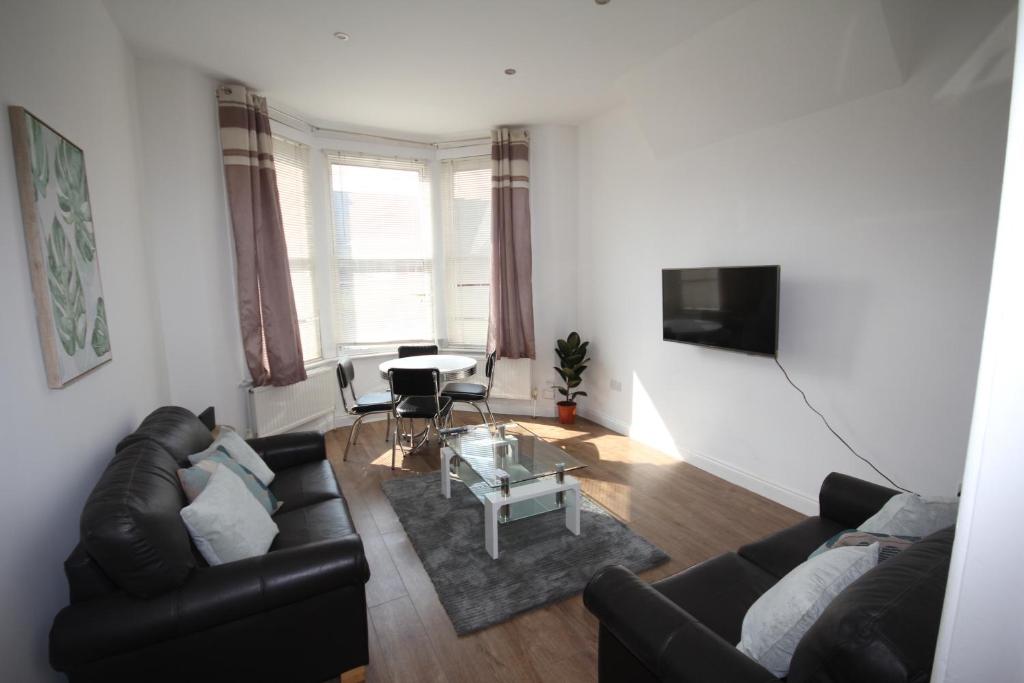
<point>324,143</point>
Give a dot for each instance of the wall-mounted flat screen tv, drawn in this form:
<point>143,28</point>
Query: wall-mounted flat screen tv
<point>730,308</point>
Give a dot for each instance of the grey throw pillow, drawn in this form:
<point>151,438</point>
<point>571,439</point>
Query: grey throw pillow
<point>909,514</point>
<point>225,521</point>
<point>234,445</point>
<point>195,479</point>
<point>775,624</point>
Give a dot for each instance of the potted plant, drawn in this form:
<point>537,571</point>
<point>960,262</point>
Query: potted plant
<point>572,356</point>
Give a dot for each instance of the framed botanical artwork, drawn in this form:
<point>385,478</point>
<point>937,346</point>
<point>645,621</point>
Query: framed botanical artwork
<point>63,262</point>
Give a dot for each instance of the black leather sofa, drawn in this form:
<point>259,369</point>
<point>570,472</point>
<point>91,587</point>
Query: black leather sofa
<point>145,606</point>
<point>684,628</point>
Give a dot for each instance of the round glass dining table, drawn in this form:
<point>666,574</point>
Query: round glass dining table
<point>452,368</point>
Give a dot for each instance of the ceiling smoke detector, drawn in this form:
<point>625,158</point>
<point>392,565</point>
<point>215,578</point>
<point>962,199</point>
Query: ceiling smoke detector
<point>602,2</point>
<point>510,72</point>
<point>340,35</point>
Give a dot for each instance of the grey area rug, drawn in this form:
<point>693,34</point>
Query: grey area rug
<point>540,560</point>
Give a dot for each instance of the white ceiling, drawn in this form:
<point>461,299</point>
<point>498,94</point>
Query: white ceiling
<point>428,67</point>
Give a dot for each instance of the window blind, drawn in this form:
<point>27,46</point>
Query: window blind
<point>383,248</point>
<point>466,215</point>
<point>291,160</point>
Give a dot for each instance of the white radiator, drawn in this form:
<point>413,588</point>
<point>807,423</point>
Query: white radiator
<point>279,409</point>
<point>512,378</point>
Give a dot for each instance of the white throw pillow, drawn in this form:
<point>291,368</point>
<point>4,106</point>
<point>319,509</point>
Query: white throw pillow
<point>909,514</point>
<point>240,451</point>
<point>775,624</point>
<point>226,522</point>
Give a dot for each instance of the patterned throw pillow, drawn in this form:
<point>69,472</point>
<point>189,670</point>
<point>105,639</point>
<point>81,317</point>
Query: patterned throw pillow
<point>195,478</point>
<point>232,443</point>
<point>888,545</point>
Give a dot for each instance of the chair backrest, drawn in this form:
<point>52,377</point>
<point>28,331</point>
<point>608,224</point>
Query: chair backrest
<point>492,358</point>
<point>346,373</point>
<point>422,350</point>
<point>414,382</point>
<point>405,382</point>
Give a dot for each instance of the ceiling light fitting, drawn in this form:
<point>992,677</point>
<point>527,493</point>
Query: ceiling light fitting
<point>510,72</point>
<point>341,36</point>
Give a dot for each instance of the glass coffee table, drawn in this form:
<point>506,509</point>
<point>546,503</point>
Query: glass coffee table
<point>513,472</point>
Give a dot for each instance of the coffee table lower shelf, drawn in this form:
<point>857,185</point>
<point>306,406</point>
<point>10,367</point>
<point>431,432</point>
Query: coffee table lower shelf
<point>526,499</point>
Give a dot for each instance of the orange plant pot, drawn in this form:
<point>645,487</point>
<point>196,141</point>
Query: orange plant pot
<point>566,412</point>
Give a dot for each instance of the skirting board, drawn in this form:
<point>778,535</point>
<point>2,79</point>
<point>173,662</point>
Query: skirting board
<point>732,474</point>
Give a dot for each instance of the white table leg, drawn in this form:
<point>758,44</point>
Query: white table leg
<point>491,527</point>
<point>446,478</point>
<point>572,506</point>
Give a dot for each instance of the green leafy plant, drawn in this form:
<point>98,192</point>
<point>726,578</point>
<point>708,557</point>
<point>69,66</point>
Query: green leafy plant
<point>40,162</point>
<point>73,196</point>
<point>65,290</point>
<point>572,355</point>
<point>100,340</point>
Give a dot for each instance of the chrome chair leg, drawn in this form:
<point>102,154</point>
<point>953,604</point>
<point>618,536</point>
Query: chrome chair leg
<point>394,443</point>
<point>355,429</point>
<point>477,408</point>
<point>387,432</point>
<point>489,413</point>
<point>351,436</point>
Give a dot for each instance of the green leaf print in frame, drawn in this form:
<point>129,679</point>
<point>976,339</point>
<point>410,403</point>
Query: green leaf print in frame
<point>40,162</point>
<point>100,341</point>
<point>73,196</point>
<point>62,249</point>
<point>65,290</point>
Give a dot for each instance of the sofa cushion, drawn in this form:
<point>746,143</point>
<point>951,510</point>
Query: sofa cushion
<point>175,429</point>
<point>718,592</point>
<point>322,521</point>
<point>884,626</point>
<point>779,553</point>
<point>130,524</point>
<point>304,485</point>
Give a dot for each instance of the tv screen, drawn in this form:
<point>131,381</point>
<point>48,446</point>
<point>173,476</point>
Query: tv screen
<point>731,308</point>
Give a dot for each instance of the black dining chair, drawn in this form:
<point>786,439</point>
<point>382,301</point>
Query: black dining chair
<point>368,404</point>
<point>422,350</point>
<point>472,393</point>
<point>416,393</point>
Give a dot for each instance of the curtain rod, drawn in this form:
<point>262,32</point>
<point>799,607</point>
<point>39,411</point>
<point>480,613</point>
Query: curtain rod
<point>276,114</point>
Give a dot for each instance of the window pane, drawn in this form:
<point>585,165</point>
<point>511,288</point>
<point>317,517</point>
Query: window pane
<point>383,251</point>
<point>466,212</point>
<point>291,160</point>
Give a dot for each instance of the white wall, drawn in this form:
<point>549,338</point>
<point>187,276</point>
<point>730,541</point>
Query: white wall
<point>67,64</point>
<point>554,218</point>
<point>879,203</point>
<point>981,627</point>
<point>185,213</point>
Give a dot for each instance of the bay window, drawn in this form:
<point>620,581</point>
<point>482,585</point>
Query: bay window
<point>406,243</point>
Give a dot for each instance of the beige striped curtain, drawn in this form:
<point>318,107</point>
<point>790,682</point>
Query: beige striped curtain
<point>510,327</point>
<point>266,307</point>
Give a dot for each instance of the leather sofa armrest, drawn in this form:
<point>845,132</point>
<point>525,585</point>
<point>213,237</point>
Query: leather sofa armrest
<point>105,626</point>
<point>282,451</point>
<point>665,637</point>
<point>851,501</point>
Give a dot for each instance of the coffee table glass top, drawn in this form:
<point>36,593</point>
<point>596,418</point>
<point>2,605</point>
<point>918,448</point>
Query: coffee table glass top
<point>512,449</point>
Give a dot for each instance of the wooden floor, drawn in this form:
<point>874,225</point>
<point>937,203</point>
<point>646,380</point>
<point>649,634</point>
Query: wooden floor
<point>688,513</point>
